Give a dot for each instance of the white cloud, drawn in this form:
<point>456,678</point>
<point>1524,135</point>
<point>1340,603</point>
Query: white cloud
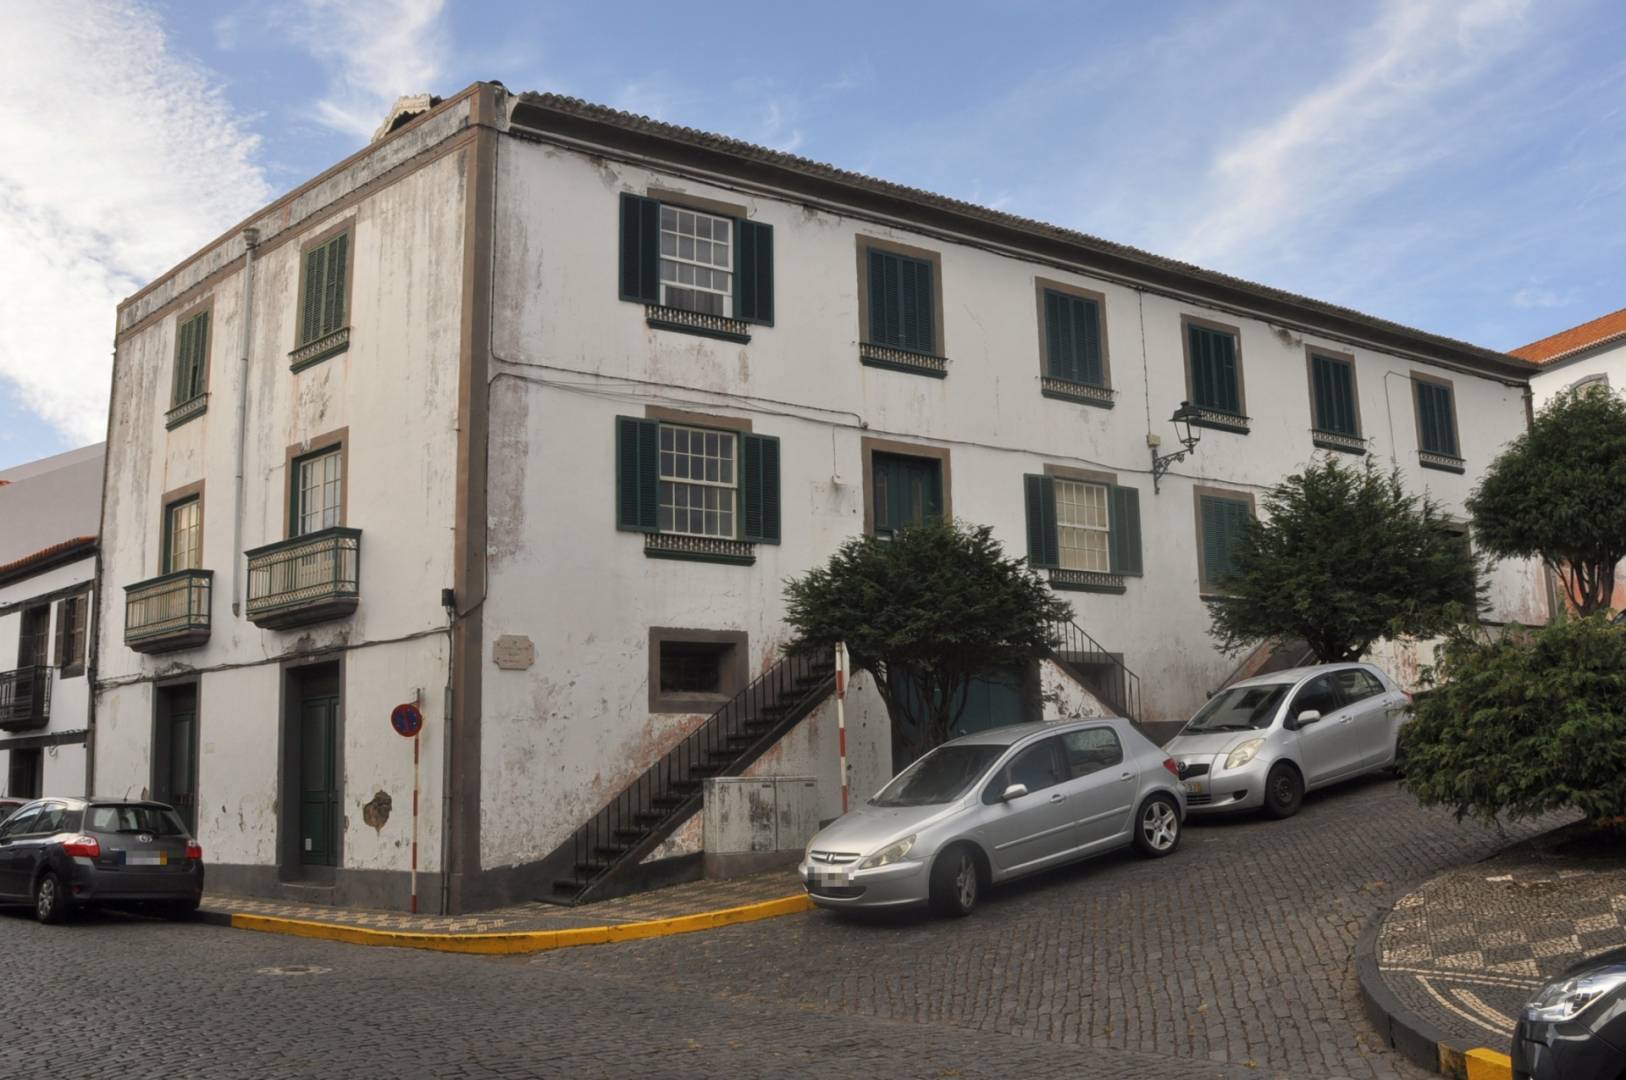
<point>374,51</point>
<point>1379,118</point>
<point>1533,297</point>
<point>132,160</point>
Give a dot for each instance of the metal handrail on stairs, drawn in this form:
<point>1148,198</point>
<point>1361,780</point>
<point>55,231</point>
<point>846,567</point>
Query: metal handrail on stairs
<point>1121,687</point>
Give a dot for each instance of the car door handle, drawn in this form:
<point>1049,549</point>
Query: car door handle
<point>1126,777</point>
<point>1345,720</point>
<point>1058,797</point>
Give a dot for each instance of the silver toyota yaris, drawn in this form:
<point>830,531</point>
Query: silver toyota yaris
<point>1265,741</point>
<point>995,805</point>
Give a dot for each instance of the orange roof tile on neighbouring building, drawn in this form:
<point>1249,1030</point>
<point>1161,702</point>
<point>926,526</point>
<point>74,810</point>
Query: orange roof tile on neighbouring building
<point>1576,338</point>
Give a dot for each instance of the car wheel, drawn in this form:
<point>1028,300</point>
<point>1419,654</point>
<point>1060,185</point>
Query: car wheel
<point>956,882</point>
<point>49,904</point>
<point>1284,791</point>
<point>1157,827</point>
<point>1397,765</point>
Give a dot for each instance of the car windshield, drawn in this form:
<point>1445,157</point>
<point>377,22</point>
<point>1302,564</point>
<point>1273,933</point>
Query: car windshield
<point>134,819</point>
<point>941,776</point>
<point>1241,708</point>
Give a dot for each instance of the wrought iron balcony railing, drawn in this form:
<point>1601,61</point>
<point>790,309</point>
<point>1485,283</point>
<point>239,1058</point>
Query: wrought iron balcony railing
<point>25,698</point>
<point>167,613</point>
<point>311,578</point>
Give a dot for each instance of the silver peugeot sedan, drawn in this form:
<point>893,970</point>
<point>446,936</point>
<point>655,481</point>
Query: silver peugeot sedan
<point>1265,741</point>
<point>995,805</point>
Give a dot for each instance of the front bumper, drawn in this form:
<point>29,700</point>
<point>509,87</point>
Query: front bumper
<point>1219,790</point>
<point>1572,1051</point>
<point>896,885</point>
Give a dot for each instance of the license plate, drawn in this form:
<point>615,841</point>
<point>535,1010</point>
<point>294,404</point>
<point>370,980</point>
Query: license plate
<point>1193,787</point>
<point>160,858</point>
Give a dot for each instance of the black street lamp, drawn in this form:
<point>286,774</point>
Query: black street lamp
<point>1182,418</point>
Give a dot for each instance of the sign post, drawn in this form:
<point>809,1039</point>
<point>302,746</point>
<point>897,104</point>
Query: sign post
<point>841,715</point>
<point>407,720</point>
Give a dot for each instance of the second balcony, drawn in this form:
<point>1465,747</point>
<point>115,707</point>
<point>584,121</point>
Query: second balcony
<point>308,579</point>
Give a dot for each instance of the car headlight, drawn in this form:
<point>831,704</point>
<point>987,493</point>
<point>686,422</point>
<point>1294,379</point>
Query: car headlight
<point>1568,998</point>
<point>893,852</point>
<point>1241,755</point>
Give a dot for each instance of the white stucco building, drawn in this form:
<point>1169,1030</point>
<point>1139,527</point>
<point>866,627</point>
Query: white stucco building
<point>525,413</point>
<point>48,517</point>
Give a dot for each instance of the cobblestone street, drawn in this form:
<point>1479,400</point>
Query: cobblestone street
<point>1231,959</point>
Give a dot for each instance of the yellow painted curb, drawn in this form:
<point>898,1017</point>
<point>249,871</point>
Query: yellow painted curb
<point>1488,1065</point>
<point>526,941</point>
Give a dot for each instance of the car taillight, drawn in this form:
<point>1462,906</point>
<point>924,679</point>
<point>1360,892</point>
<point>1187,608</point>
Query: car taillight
<point>82,846</point>
<point>1174,768</point>
<point>1410,699</point>
<point>194,851</point>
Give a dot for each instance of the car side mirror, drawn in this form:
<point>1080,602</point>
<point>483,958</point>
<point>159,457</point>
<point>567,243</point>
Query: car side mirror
<point>1014,791</point>
<point>1307,717</point>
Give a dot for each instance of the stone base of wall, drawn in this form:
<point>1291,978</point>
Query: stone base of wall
<point>381,890</point>
<point>720,866</point>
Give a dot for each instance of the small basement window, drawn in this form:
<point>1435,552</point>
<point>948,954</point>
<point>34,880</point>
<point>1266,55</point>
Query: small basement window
<point>695,670</point>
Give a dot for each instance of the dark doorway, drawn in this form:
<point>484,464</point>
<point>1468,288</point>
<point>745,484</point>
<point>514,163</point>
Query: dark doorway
<point>26,774</point>
<point>175,751</point>
<point>315,766</point>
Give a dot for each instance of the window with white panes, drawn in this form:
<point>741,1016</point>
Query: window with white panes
<point>1082,526</point>
<point>185,535</point>
<point>318,492</point>
<point>697,262</point>
<point>699,483</point>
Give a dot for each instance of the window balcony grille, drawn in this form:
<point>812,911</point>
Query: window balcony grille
<point>309,579</point>
<point>167,613</point>
<point>25,698</point>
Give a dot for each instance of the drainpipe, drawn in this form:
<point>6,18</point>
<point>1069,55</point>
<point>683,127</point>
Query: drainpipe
<point>251,240</point>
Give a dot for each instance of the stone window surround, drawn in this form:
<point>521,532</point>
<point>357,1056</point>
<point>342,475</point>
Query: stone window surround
<point>170,498</point>
<point>339,437</point>
<point>348,225</point>
<point>1187,320</point>
<point>1043,284</point>
<point>735,669</point>
<point>865,243</point>
<point>1310,353</point>
<point>870,447</point>
<point>205,306</point>
<point>1417,411</point>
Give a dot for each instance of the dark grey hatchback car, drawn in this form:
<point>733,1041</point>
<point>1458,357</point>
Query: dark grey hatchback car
<point>58,854</point>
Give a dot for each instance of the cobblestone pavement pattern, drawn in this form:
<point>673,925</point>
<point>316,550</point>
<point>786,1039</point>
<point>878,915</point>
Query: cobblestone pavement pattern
<point>1470,947</point>
<point>686,899</point>
<point>1232,959</point>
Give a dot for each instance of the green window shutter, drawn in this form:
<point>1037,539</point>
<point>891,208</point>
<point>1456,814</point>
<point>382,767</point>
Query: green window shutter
<point>759,455</point>
<point>640,249</point>
<point>919,325</point>
<point>200,356</point>
<point>883,298</point>
<point>1073,326</point>
<point>338,251</point>
<point>1213,369</point>
<point>1125,536</point>
<point>1333,390</point>
<point>310,322</point>
<point>183,357</point>
<point>1044,544</point>
<point>1439,430</point>
<point>902,302</point>
<point>753,274</point>
<point>637,474</point>
<point>1225,523</point>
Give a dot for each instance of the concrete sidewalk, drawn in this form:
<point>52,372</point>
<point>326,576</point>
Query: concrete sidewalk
<point>529,927</point>
<point>1454,961</point>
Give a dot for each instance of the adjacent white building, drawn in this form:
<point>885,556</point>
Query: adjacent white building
<point>524,414</point>
<point>48,517</point>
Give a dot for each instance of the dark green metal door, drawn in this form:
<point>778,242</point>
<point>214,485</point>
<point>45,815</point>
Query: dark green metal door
<point>176,762</point>
<point>318,781</point>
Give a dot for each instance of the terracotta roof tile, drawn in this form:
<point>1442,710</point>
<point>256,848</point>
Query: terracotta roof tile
<point>1576,338</point>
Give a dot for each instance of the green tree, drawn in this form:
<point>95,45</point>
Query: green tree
<point>1517,727</point>
<point>925,614</point>
<point>1558,493</point>
<point>1344,557</point>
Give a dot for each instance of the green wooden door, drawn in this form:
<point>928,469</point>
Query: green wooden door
<point>318,781</point>
<point>177,764</point>
<point>907,491</point>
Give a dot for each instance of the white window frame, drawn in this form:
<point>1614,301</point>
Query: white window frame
<point>1072,512</point>
<point>669,480</point>
<point>323,513</point>
<point>672,239</point>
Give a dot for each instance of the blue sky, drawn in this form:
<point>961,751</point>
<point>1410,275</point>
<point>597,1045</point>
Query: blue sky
<point>1457,166</point>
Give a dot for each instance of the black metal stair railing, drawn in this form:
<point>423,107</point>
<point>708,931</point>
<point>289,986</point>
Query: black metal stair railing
<point>1102,671</point>
<point>651,807</point>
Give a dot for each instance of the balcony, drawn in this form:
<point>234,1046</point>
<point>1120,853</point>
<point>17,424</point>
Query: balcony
<point>168,613</point>
<point>309,579</point>
<point>25,698</point>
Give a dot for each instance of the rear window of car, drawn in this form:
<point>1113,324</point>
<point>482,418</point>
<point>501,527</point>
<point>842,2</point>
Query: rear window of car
<point>134,819</point>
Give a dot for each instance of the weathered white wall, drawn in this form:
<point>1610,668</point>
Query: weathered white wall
<point>395,390</point>
<point>1609,361</point>
<point>64,765</point>
<point>563,738</point>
